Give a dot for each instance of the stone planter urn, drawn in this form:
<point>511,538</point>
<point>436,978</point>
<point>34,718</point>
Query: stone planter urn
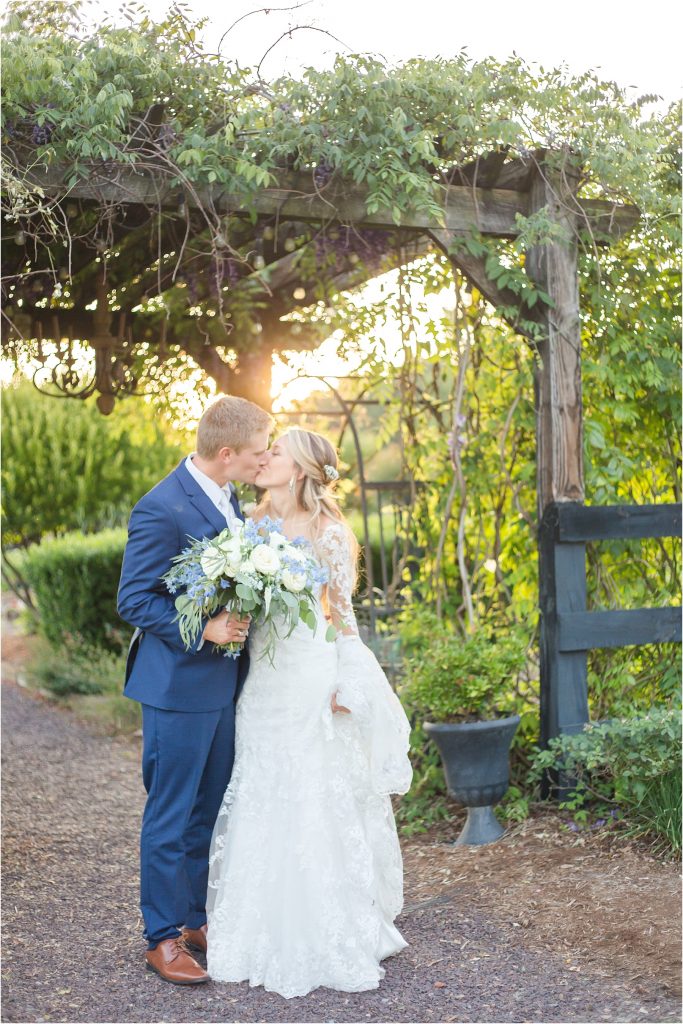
<point>476,762</point>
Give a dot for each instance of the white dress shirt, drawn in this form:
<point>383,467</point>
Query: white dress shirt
<point>220,496</point>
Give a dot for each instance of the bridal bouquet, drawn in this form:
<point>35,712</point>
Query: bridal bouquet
<point>252,569</point>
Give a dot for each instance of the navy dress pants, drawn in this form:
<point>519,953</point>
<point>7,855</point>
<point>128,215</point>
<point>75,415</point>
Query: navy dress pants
<point>187,760</point>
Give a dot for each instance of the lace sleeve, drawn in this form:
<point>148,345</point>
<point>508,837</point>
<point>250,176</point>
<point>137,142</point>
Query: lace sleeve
<point>360,684</point>
<point>335,553</point>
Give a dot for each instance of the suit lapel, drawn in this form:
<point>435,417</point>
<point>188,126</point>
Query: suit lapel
<point>200,499</point>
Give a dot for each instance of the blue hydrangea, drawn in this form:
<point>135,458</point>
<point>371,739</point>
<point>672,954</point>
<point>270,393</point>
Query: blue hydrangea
<point>251,532</point>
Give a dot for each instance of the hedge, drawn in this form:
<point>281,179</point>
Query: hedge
<point>75,579</point>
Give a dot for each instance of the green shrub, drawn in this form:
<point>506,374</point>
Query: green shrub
<point>419,627</point>
<point>658,810</point>
<point>75,580</point>
<point>447,677</point>
<point>67,467</point>
<point>460,679</point>
<point>626,681</point>
<point>631,766</point>
<point>89,680</point>
<point>80,667</point>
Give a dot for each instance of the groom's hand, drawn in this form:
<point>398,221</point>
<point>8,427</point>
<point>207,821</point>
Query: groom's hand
<point>227,628</point>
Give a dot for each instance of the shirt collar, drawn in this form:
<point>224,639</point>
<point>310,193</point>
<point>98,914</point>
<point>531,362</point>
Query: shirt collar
<point>208,485</point>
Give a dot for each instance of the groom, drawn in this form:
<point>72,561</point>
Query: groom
<point>188,697</point>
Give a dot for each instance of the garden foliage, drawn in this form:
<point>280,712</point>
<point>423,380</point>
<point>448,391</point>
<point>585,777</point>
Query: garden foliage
<point>75,579</point>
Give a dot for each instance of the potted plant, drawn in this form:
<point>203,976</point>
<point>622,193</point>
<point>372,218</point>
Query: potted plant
<point>466,688</point>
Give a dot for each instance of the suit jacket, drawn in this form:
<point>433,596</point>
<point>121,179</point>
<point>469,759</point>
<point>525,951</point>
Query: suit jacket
<point>159,671</point>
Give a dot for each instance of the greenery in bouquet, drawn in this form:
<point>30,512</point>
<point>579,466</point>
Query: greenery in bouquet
<point>251,569</point>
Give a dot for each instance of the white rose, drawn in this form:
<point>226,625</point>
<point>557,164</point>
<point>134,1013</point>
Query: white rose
<point>295,553</point>
<point>213,563</point>
<point>231,548</point>
<point>294,581</point>
<point>265,559</point>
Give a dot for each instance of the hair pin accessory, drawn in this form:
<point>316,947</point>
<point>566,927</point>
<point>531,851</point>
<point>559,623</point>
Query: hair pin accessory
<point>330,472</point>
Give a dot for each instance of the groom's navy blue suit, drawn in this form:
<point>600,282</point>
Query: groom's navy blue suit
<point>188,708</point>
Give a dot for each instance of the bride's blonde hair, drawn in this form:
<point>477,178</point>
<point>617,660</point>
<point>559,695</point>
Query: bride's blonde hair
<point>314,491</point>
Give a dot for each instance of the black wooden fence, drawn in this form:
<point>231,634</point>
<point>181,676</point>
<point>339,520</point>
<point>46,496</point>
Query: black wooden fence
<point>568,630</point>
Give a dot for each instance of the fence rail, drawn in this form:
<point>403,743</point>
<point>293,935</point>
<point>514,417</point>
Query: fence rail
<point>568,629</point>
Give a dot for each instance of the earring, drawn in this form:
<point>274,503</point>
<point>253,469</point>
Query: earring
<point>292,484</point>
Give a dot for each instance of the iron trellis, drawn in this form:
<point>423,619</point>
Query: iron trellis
<point>379,598</point>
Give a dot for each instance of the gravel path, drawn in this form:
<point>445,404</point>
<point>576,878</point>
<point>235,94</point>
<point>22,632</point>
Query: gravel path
<point>73,948</point>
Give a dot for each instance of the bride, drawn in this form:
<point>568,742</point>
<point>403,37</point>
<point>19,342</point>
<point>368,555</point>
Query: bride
<point>306,876</point>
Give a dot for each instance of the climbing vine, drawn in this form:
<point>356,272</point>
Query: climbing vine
<point>149,98</point>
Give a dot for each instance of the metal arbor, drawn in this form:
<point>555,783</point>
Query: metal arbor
<point>386,508</point>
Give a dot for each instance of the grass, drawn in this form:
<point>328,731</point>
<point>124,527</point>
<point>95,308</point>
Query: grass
<point>107,714</point>
<point>89,681</point>
<point>658,813</point>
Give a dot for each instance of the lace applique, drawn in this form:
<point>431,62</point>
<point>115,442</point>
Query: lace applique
<point>305,868</point>
<point>332,547</point>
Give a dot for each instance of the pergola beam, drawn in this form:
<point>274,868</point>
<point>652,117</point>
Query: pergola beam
<point>79,324</point>
<point>492,211</point>
<point>474,269</point>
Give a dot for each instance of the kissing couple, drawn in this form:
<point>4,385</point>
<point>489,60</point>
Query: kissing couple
<point>268,838</point>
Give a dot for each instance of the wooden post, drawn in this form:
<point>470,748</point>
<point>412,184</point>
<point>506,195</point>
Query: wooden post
<point>253,376</point>
<point>559,433</point>
<point>562,590</point>
<point>554,268</point>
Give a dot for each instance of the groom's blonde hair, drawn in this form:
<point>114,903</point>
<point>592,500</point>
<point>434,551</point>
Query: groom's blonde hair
<point>230,422</point>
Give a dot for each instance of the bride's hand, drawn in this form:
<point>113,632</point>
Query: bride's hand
<point>338,707</point>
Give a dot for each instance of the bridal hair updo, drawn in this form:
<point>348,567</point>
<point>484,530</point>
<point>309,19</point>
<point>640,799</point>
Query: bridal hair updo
<point>312,453</point>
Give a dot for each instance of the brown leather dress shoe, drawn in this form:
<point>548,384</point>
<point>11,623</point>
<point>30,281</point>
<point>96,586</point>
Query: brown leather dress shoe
<point>172,962</point>
<point>195,938</point>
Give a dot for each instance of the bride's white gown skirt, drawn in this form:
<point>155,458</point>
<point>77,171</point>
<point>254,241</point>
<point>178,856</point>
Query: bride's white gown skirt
<point>306,875</point>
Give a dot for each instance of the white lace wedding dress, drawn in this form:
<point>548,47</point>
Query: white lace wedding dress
<point>306,876</point>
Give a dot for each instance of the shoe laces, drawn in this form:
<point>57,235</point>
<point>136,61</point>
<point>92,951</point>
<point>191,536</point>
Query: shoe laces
<point>179,947</point>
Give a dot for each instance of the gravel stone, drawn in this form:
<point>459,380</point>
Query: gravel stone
<point>73,948</point>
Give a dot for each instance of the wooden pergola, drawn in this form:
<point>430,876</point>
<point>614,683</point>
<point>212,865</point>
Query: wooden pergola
<point>280,230</point>
<point>485,195</point>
